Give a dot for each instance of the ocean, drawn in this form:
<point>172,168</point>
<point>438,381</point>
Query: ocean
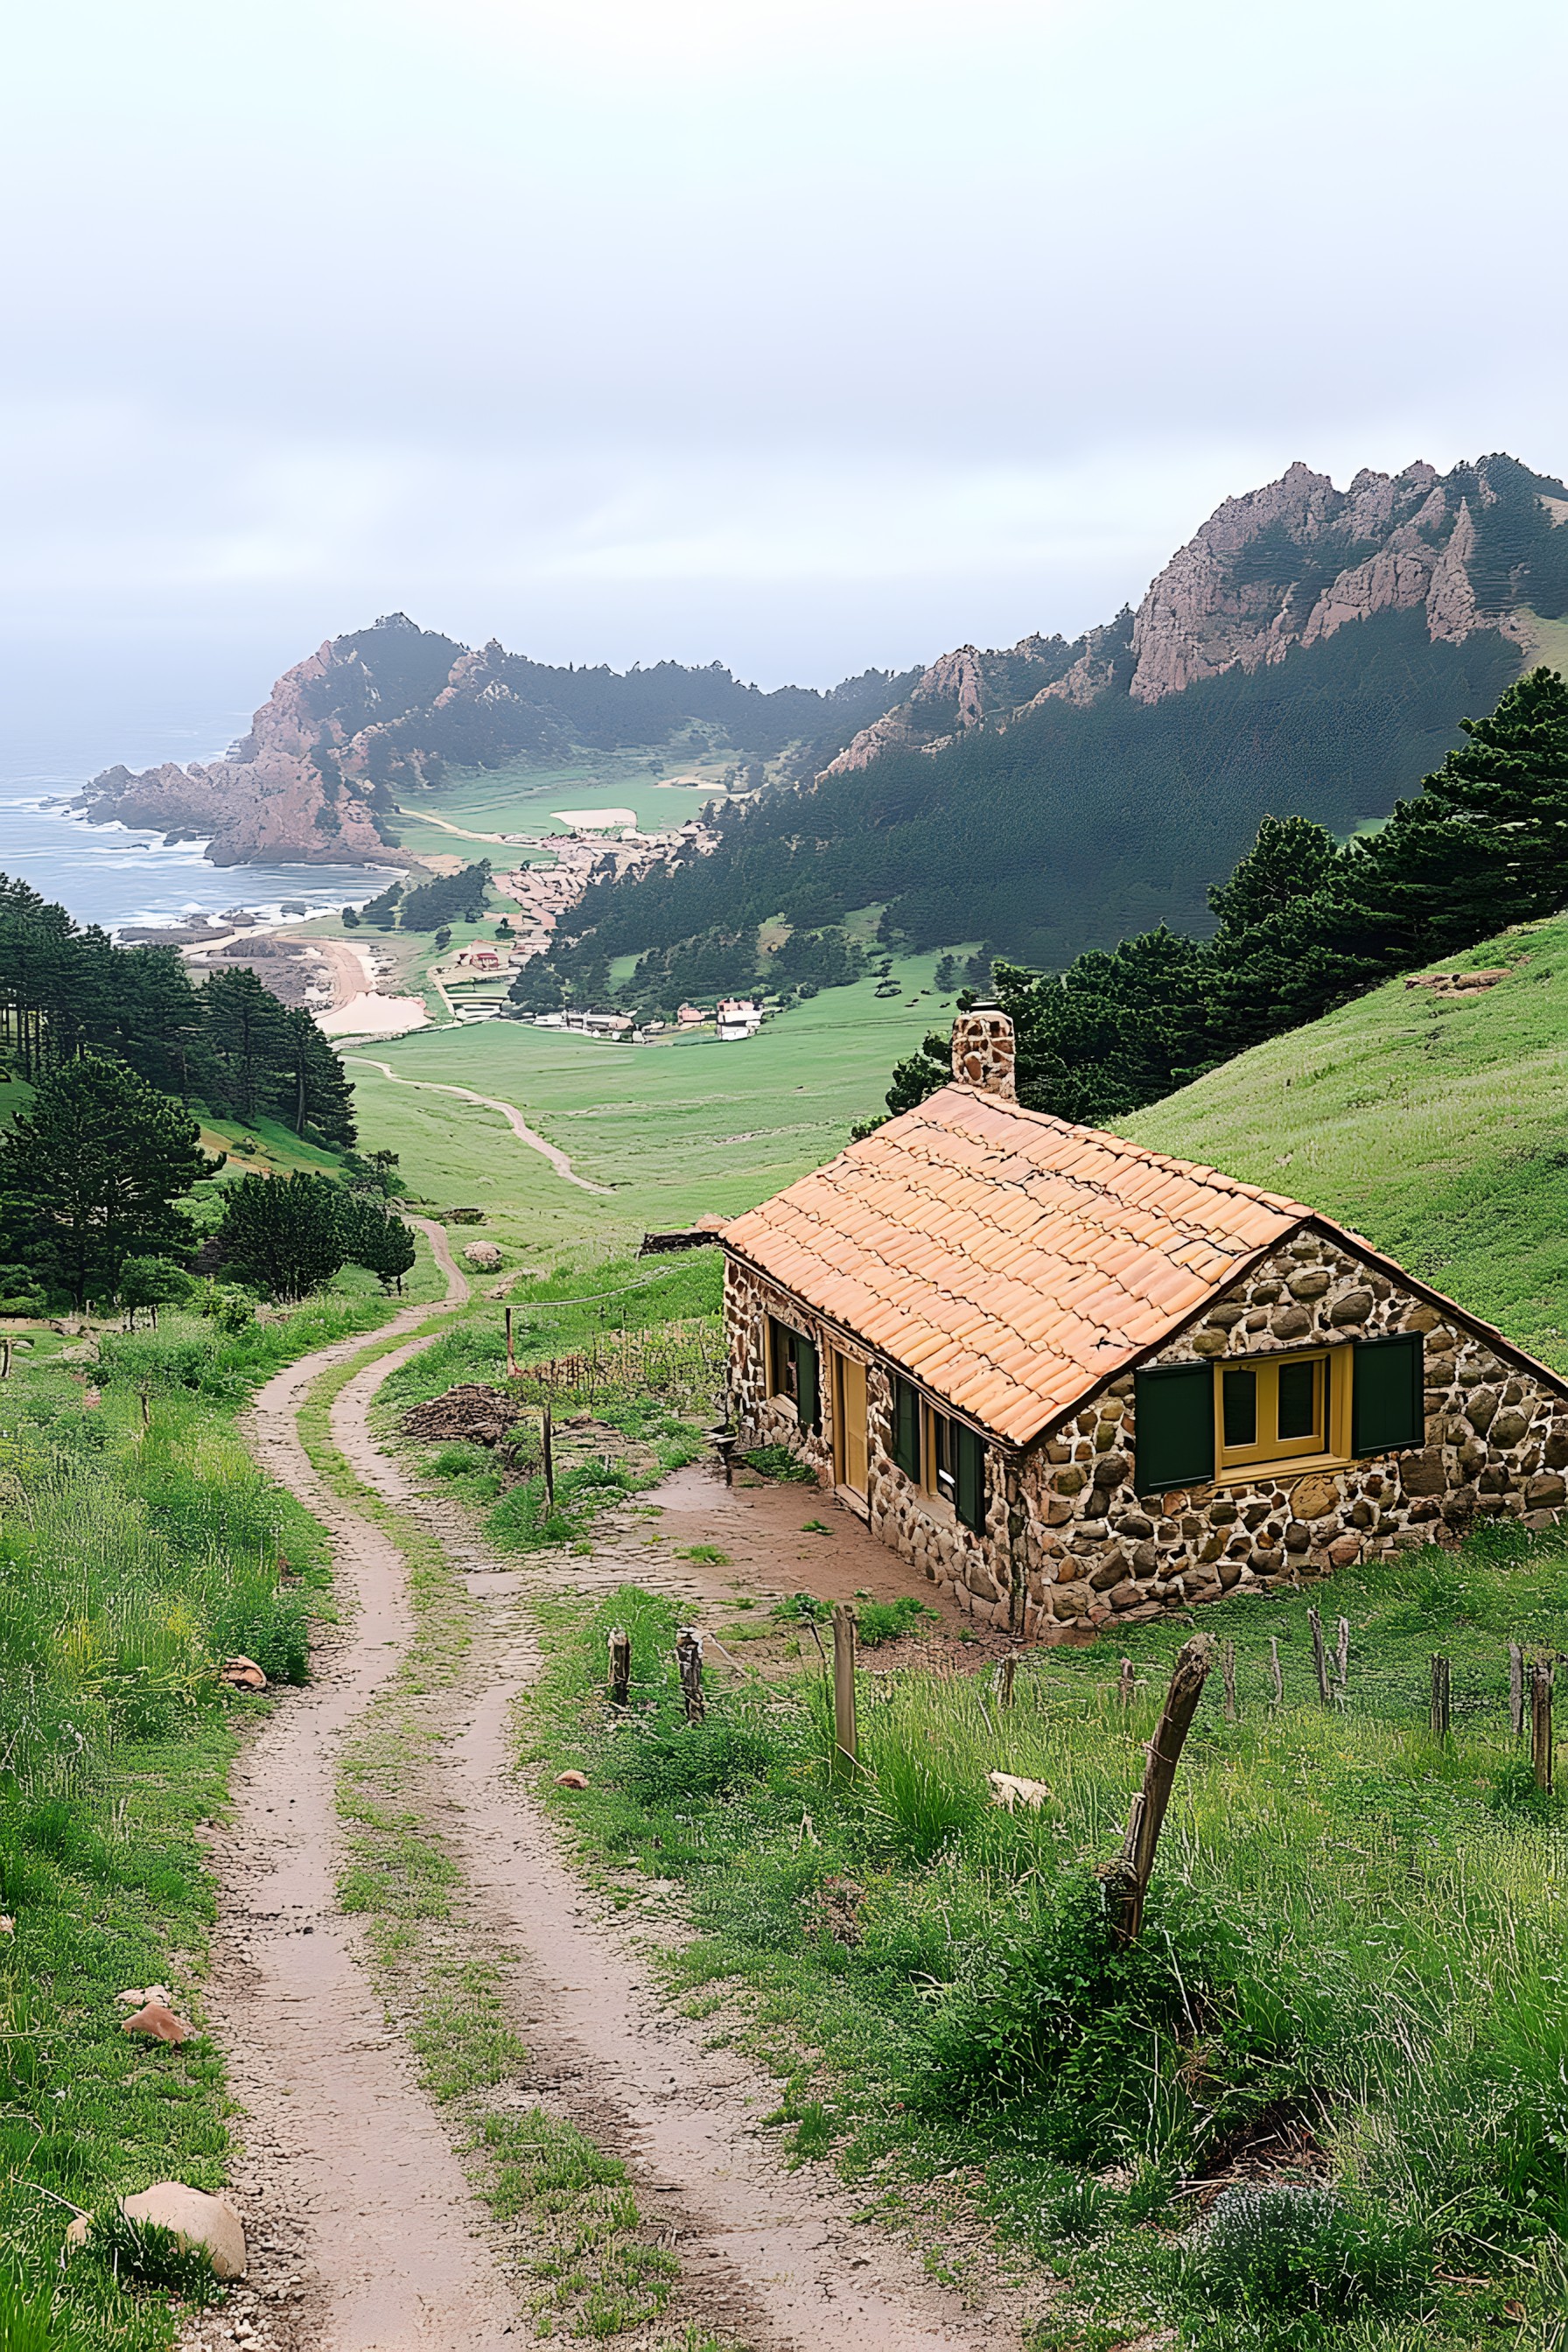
<point>112,875</point>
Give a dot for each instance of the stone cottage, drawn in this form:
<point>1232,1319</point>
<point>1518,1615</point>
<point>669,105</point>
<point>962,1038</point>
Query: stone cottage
<point>1073,1381</point>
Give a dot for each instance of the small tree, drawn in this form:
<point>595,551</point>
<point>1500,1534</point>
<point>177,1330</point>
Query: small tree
<point>284,1235</point>
<point>377,1240</point>
<point>91,1173</point>
<point>151,1282</point>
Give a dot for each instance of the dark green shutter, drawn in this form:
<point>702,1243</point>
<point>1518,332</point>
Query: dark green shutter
<point>907,1429</point>
<point>1173,1428</point>
<point>1388,1405</point>
<point>807,1396</point>
<point>969,1477</point>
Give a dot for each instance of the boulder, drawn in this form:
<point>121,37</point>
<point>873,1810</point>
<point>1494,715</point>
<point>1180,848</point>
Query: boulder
<point>572,1779</point>
<point>242,1673</point>
<point>1007,1789</point>
<point>158,2023</point>
<point>209,2224</point>
<point>485,1256</point>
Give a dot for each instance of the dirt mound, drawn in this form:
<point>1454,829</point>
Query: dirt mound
<point>484,1417</point>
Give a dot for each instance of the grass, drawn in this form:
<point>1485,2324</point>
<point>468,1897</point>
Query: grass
<point>635,1360</point>
<point>677,1128</point>
<point>1433,1126</point>
<point>523,799</point>
<point>1347,1998</point>
<point>132,1560</point>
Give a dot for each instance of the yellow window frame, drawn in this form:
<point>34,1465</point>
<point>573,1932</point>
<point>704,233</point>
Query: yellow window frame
<point>1328,1442</point>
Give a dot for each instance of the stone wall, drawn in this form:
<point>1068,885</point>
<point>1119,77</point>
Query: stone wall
<point>1070,1543</point>
<point>1497,1443</point>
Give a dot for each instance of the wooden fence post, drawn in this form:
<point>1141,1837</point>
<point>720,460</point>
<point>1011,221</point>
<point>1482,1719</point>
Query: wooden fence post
<point>1275,1675</point>
<point>1442,1710</point>
<point>1124,1683</point>
<point>845,1738</point>
<point>1516,1689</point>
<point>1319,1659</point>
<point>5,1359</point>
<point>549,1436</point>
<point>1541,1721</point>
<point>146,1410</point>
<point>1228,1659</point>
<point>1005,1673</point>
<point>689,1658</point>
<point>511,1356</point>
<point>1128,1879</point>
<point>620,1670</point>
<point>1342,1654</point>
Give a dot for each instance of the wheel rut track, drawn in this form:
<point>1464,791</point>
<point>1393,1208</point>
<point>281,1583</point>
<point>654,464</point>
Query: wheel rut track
<point>346,2162</point>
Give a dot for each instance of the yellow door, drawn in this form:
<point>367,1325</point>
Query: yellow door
<point>849,1422</point>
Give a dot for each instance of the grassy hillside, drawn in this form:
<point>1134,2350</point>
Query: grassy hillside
<point>1437,1127</point>
<point>675,1129</point>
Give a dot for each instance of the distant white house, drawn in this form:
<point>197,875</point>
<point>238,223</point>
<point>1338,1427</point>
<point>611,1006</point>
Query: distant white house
<point>739,1016</point>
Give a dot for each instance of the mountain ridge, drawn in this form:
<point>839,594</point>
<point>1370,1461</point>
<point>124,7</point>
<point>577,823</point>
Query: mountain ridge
<point>1260,579</point>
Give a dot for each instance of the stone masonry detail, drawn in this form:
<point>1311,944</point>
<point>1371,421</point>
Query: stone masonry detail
<point>1071,1542</point>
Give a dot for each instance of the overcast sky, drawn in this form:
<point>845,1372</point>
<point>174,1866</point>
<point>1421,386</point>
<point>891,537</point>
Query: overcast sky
<point>803,334</point>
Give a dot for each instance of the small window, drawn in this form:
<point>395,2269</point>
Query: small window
<point>792,1371</point>
<point>1271,1410</point>
<point>955,1468</point>
<point>906,1447</point>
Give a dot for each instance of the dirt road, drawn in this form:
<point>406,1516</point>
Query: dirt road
<point>509,1111</point>
<point>365,2235</point>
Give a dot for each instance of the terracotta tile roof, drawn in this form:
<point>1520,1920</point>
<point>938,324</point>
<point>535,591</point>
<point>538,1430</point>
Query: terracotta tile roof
<point>1008,1261</point>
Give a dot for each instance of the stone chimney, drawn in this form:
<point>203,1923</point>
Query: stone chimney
<point>983,1052</point>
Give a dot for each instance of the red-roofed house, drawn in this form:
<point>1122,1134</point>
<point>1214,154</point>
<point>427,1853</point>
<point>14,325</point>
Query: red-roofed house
<point>1071,1378</point>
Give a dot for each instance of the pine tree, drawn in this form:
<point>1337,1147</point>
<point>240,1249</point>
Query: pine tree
<point>313,1092</point>
<point>377,1240</point>
<point>90,1172</point>
<point>248,1031</point>
<point>285,1236</point>
<point>1485,843</point>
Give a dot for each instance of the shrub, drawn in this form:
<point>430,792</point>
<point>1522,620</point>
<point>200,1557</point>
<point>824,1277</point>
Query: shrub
<point>778,1462</point>
<point>889,1621</point>
<point>1288,2250</point>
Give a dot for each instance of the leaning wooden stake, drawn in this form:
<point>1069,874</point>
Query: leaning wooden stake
<point>1275,1675</point>
<point>1516,1689</point>
<point>1319,1657</point>
<point>620,1670</point>
<point>1128,1879</point>
<point>511,1353</point>
<point>1442,1698</point>
<point>146,1410</point>
<point>5,1359</point>
<point>1124,1683</point>
<point>844,1728</point>
<point>1541,1721</point>
<point>549,1433</point>
<point>689,1658</point>
<point>1343,1655</point>
<point>1228,1658</point>
<point>1005,1673</point>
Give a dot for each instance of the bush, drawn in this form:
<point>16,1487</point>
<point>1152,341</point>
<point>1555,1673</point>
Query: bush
<point>1286,2250</point>
<point>697,1760</point>
<point>778,1462</point>
<point>889,1621</point>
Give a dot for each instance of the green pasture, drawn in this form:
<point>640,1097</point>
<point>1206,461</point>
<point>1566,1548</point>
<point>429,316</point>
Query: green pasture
<point>1437,1127</point>
<point>523,799</point>
<point>1318,2108</point>
<point>676,1129</point>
